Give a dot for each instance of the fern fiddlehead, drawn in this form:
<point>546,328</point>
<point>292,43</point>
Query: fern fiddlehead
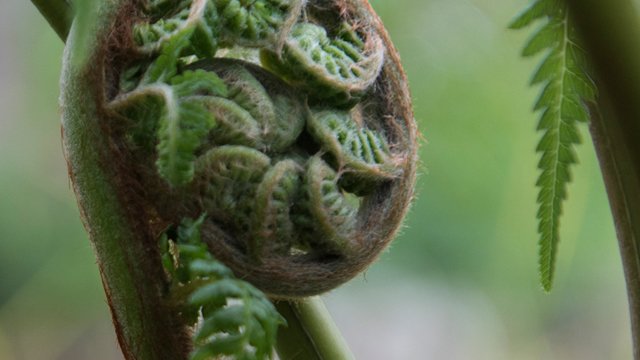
<point>293,200</point>
<point>567,87</point>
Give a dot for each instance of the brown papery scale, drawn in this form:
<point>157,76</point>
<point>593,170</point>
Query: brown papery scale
<point>292,132</point>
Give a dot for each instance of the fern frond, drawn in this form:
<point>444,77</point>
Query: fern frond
<point>238,319</point>
<point>199,82</point>
<point>183,126</point>
<point>566,89</point>
<point>185,120</point>
<point>165,66</point>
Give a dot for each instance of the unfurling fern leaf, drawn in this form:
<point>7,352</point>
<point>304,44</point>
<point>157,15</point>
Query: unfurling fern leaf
<point>562,102</point>
<point>338,69</point>
<point>362,153</point>
<point>193,17</point>
<point>260,111</point>
<point>182,128</point>
<point>227,179</point>
<point>238,319</point>
<point>276,194</point>
<point>328,218</point>
<point>256,23</point>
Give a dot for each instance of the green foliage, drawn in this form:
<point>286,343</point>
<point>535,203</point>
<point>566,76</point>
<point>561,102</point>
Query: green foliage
<point>566,89</point>
<point>363,153</point>
<point>325,212</point>
<point>229,137</point>
<point>165,66</point>
<point>184,120</point>
<point>228,177</point>
<point>255,23</point>
<point>238,319</point>
<point>264,114</point>
<point>183,130</point>
<point>272,225</point>
<point>217,22</point>
<point>198,82</point>
<point>337,68</point>
<point>194,17</point>
<point>183,127</point>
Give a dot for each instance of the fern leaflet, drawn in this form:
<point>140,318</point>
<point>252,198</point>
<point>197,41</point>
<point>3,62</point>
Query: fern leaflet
<point>238,319</point>
<point>562,105</point>
<point>183,126</point>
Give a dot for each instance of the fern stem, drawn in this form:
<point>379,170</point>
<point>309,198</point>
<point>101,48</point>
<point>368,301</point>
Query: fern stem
<point>58,14</point>
<point>146,325</point>
<point>311,334</point>
<point>611,31</point>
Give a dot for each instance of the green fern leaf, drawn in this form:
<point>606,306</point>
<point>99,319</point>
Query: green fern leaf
<point>566,88</point>
<point>166,65</point>
<point>185,123</point>
<point>183,126</point>
<point>538,10</point>
<point>198,82</point>
<point>238,320</point>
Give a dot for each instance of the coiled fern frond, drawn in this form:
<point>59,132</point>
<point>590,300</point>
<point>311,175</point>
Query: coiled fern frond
<point>328,217</point>
<point>339,68</point>
<point>567,88</point>
<point>181,127</point>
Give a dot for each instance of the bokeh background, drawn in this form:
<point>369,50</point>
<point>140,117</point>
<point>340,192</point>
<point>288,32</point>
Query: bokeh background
<point>459,283</point>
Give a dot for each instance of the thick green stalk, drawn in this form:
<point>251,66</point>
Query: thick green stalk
<point>58,14</point>
<point>610,32</point>
<point>311,334</point>
<point>147,326</point>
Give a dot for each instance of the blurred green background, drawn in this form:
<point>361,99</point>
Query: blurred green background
<point>459,283</point>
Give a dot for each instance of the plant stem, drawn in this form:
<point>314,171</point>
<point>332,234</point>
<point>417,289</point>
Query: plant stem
<point>147,325</point>
<point>58,14</point>
<point>610,31</point>
<point>311,334</point>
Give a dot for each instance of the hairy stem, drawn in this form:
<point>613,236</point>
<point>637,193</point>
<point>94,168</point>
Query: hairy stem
<point>146,324</point>
<point>610,30</point>
<point>58,14</point>
<point>311,334</point>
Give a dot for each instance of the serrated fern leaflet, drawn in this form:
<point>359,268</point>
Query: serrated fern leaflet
<point>238,320</point>
<point>566,88</point>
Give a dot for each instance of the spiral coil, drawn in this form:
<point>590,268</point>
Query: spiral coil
<point>286,163</point>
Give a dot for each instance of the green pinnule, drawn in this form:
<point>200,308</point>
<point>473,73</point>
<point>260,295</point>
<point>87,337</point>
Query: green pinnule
<point>329,218</point>
<point>237,319</point>
<point>337,69</point>
<point>361,154</point>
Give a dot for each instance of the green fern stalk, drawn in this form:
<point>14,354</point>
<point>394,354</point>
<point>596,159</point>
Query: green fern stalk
<point>311,334</point>
<point>566,88</point>
<point>610,31</point>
